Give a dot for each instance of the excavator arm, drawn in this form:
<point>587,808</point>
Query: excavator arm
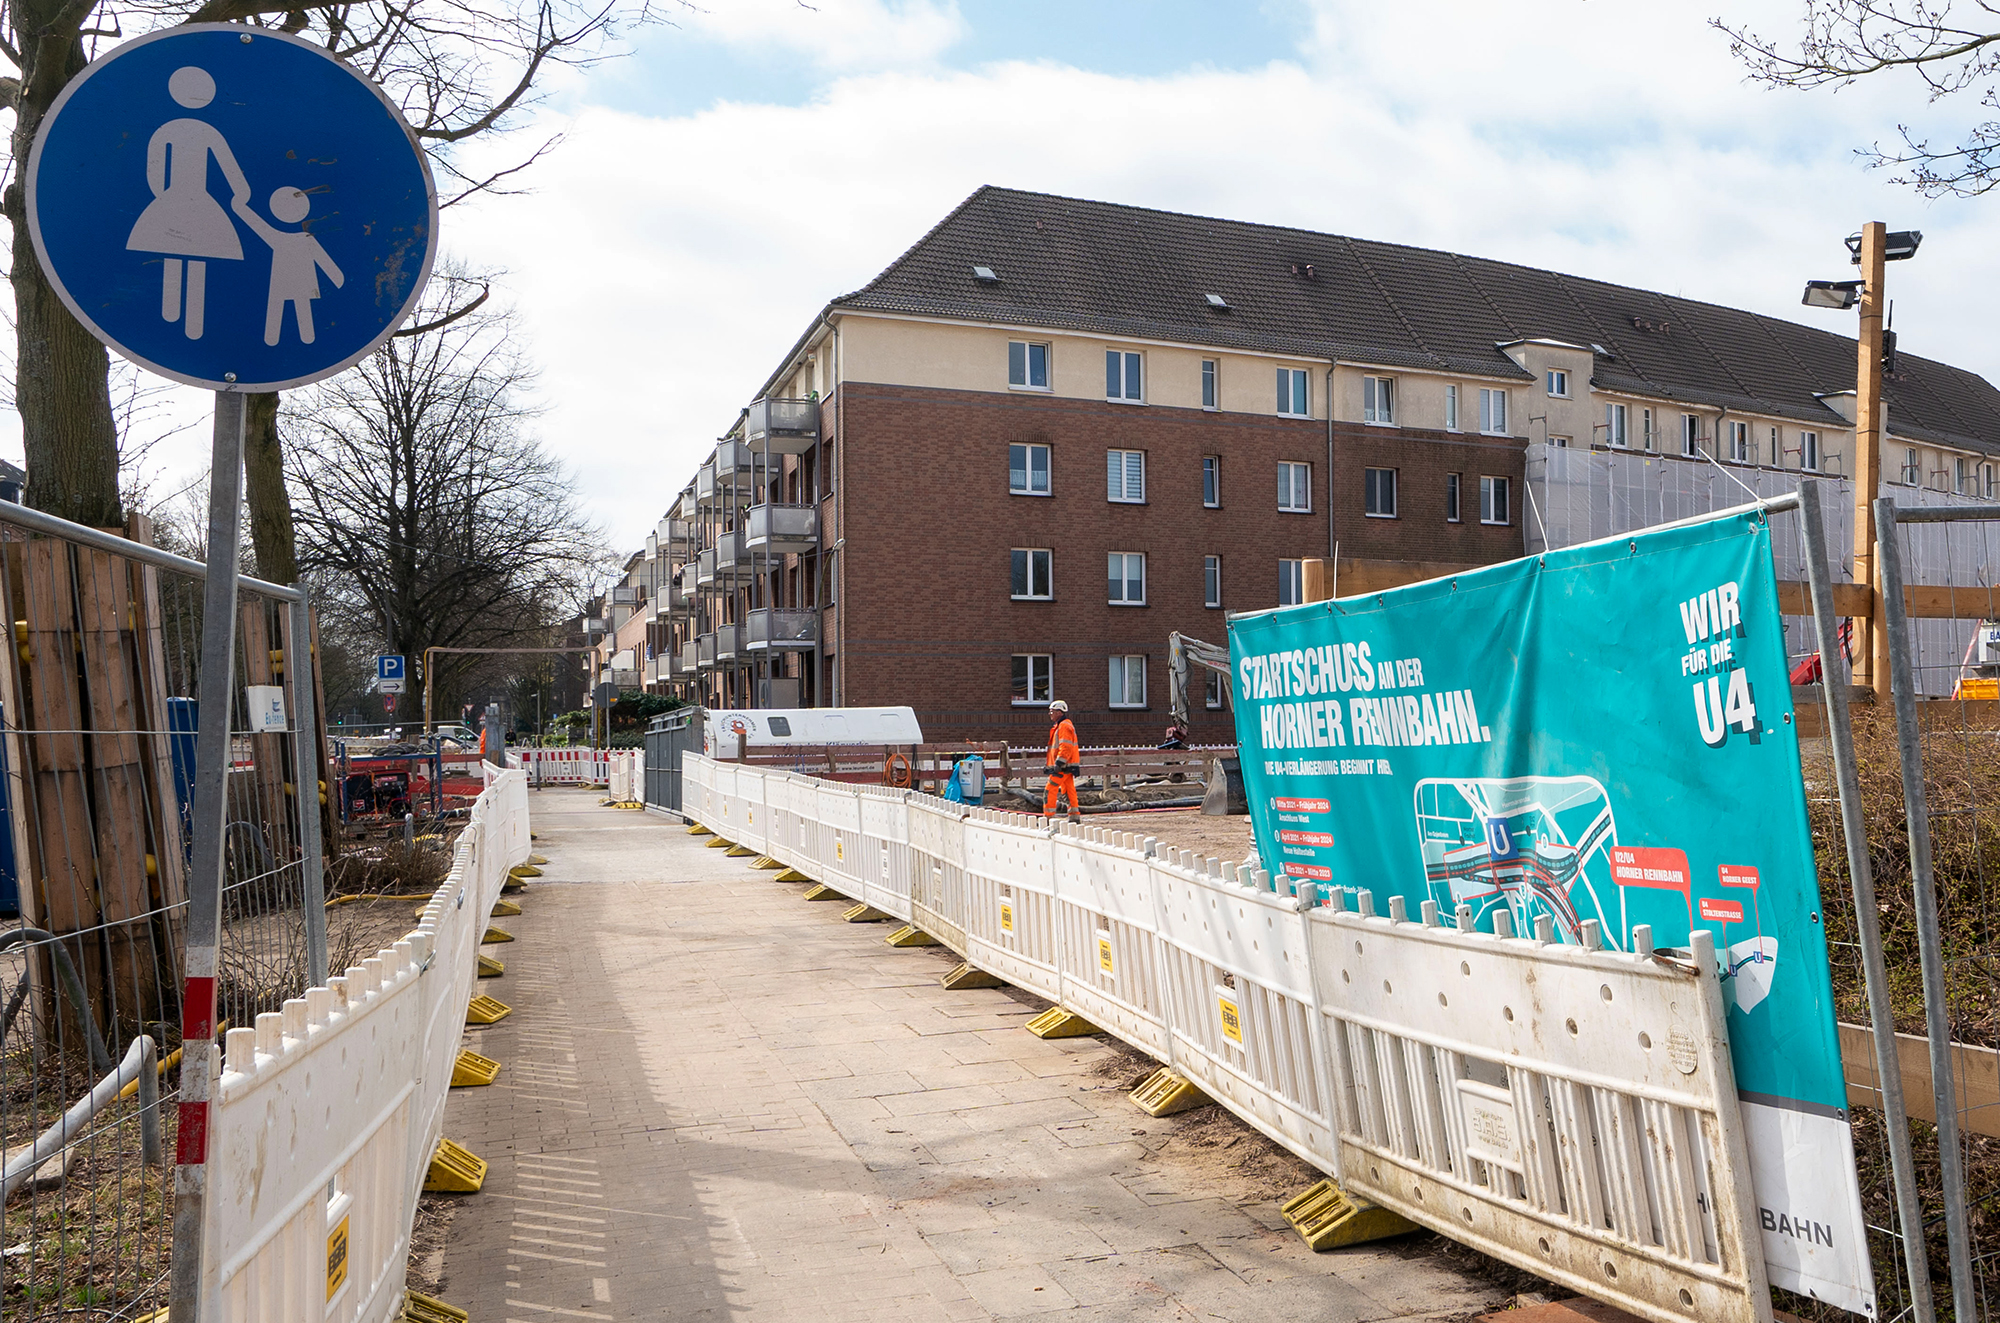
<point>1182,652</point>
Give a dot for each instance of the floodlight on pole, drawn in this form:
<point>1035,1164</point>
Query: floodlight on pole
<point>1897,245</point>
<point>1835,294</point>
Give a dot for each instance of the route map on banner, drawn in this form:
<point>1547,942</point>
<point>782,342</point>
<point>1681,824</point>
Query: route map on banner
<point>1599,733</point>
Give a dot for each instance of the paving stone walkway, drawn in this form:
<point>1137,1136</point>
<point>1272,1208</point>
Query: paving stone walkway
<point>719,1102</point>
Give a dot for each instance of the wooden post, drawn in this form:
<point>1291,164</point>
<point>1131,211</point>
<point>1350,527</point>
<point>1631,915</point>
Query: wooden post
<point>1316,583</point>
<point>1871,643</point>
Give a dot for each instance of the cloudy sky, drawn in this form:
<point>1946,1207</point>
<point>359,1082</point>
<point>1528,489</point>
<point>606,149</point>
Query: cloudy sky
<point>737,169</point>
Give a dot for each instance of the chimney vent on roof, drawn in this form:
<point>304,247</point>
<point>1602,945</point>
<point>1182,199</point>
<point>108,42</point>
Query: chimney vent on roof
<point>984,275</point>
<point>1304,269</point>
<point>1217,302</point>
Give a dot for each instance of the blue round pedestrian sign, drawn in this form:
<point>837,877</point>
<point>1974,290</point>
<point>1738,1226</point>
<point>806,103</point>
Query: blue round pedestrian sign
<point>231,207</point>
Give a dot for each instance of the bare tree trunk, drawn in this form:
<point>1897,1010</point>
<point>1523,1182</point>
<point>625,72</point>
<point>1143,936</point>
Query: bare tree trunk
<point>264,486</point>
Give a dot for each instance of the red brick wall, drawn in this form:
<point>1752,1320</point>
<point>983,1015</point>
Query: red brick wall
<point>930,524</point>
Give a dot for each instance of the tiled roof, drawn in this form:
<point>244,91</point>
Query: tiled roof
<point>1098,267</point>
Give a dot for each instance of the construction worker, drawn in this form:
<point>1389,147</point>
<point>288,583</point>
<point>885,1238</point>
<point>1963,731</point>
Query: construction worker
<point>1065,761</point>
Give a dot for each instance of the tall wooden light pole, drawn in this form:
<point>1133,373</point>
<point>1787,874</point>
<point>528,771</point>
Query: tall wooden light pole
<point>1871,643</point>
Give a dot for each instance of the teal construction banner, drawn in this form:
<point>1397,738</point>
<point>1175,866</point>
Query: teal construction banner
<point>1600,733</point>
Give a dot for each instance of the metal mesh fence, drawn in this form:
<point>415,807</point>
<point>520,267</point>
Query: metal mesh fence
<point>98,722</point>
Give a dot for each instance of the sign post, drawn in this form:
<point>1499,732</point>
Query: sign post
<point>314,249</point>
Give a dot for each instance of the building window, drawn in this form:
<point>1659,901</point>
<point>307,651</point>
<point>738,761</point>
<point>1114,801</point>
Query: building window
<point>1291,582</point>
<point>1690,434</point>
<point>1739,443</point>
<point>1558,383</point>
<point>1809,451</point>
<point>1208,395</point>
<point>1211,481</point>
<point>1031,575</point>
<point>1028,470</point>
<point>1647,437</point>
<point>1777,446</point>
<point>1295,488</point>
<point>1294,397</point>
<point>1493,411</point>
<point>1211,581</point>
<point>1027,365</point>
<point>1451,485</point>
<point>1211,690</point>
<point>1128,680</point>
<point>1379,493</point>
<point>1493,505</point>
<point>1559,442</point>
<point>1987,473</point>
<point>1125,476</point>
<point>1127,573</point>
<point>1912,472</point>
<point>1451,408</point>
<point>1032,685</point>
<point>1963,477</point>
<point>1614,425</point>
<point>1122,377</point>
<point>1378,400</point>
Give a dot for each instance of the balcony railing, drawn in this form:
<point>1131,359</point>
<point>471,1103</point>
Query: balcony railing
<point>670,531</point>
<point>728,642</point>
<point>704,568</point>
<point>690,659</point>
<point>679,600</point>
<point>790,427</point>
<point>771,627</point>
<point>624,679</point>
<point>777,529</point>
<point>732,558</point>
<point>704,484</point>
<point>735,457</point>
<point>705,651</point>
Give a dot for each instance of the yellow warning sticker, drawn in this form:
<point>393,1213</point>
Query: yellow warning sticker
<point>1104,953</point>
<point>1006,917</point>
<point>1232,1019</point>
<point>336,1258</point>
<point>839,851</point>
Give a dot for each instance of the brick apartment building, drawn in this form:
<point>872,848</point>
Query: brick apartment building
<point>1055,430</point>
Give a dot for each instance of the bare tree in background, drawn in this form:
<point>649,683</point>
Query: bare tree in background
<point>1952,48</point>
<point>429,514</point>
<point>460,69</point>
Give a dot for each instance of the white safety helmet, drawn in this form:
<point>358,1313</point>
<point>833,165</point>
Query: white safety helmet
<point>1058,706</point>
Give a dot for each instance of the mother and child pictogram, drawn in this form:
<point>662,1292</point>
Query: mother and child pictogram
<point>188,227</point>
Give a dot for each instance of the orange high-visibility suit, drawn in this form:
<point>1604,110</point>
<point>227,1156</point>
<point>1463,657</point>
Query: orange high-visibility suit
<point>1065,761</point>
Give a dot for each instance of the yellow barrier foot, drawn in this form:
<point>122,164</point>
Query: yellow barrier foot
<point>791,875</point>
<point>1327,1217</point>
<point>421,909</point>
<point>471,1069</point>
<point>821,891</point>
<point>717,843</point>
<point>766,862</point>
<point>490,968</point>
<point>486,1010</point>
<point>864,914</point>
<point>696,829</point>
<point>505,908</point>
<point>423,1309</point>
<point>454,1171</point>
<point>524,870</point>
<point>1164,1093</point>
<point>495,935</point>
<point>740,852</point>
<point>1055,1022</point>
<point>910,935</point>
<point>513,886</point>
<point>965,976</point>
<point>538,859</point>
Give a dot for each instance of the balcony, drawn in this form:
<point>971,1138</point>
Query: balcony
<point>669,531</point>
<point>689,661</point>
<point>679,599</point>
<point>623,679</point>
<point>728,642</point>
<point>704,484</point>
<point>704,568</point>
<point>778,529</point>
<point>789,427</point>
<point>732,558</point>
<point>705,652</point>
<point>771,628</point>
<point>738,460</point>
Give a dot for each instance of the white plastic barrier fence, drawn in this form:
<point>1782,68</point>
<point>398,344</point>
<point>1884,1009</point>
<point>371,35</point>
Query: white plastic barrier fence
<point>1563,1108</point>
<point>564,767</point>
<point>328,1111</point>
<point>624,770</point>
